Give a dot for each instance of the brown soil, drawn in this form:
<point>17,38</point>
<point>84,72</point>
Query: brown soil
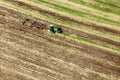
<point>50,62</point>
<point>80,33</point>
<point>100,28</point>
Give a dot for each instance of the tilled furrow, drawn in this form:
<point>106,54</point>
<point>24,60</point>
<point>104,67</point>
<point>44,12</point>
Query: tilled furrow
<point>38,69</point>
<point>31,54</point>
<point>7,74</point>
<point>96,27</point>
<point>26,71</point>
<point>85,64</point>
<point>86,35</point>
<point>17,36</point>
<point>92,51</point>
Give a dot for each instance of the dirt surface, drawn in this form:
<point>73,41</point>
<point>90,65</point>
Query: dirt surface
<point>85,35</point>
<point>100,28</point>
<point>31,54</point>
<point>79,33</point>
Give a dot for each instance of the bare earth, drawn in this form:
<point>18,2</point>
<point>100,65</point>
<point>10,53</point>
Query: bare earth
<point>31,54</point>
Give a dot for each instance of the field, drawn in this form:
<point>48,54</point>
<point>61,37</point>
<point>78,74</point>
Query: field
<point>88,48</point>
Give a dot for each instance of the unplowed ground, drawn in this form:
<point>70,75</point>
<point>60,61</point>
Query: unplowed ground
<point>31,54</point>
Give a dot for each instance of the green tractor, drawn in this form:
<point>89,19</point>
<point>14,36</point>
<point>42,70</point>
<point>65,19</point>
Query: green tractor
<point>54,29</point>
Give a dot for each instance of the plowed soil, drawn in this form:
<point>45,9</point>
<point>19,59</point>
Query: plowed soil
<point>32,54</point>
<point>100,28</point>
<point>71,31</point>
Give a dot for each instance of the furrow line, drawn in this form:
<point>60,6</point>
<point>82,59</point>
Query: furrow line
<point>94,66</point>
<point>102,39</point>
<point>100,28</point>
<point>83,50</point>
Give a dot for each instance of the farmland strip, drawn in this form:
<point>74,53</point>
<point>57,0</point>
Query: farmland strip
<point>107,10</point>
<point>20,70</point>
<point>60,43</point>
<point>93,37</point>
<point>55,40</point>
<point>85,50</point>
<point>101,28</point>
<point>39,42</point>
<point>34,54</point>
<point>80,13</point>
<point>42,64</point>
<point>6,74</point>
<point>86,9</point>
<point>91,31</point>
<point>9,33</point>
<point>101,45</point>
<point>83,12</point>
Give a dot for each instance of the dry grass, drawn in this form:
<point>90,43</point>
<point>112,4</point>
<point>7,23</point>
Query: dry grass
<point>31,54</point>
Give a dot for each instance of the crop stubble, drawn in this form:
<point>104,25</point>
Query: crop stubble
<point>80,61</point>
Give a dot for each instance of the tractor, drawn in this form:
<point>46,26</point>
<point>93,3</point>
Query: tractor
<point>55,29</point>
<point>41,25</point>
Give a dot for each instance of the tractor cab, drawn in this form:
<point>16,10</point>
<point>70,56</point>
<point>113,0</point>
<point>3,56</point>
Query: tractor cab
<point>54,29</point>
<point>51,25</point>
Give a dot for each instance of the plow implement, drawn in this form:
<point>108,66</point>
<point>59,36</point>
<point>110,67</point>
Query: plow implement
<point>41,25</point>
